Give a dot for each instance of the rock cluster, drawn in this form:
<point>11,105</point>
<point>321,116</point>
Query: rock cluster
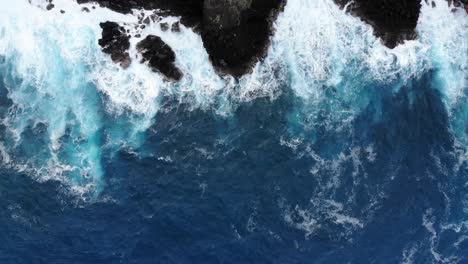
<point>236,33</point>
<point>116,43</point>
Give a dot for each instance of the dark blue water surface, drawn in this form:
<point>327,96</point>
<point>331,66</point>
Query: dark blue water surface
<point>237,189</point>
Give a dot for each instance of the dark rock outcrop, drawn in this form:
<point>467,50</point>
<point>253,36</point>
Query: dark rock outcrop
<point>393,20</point>
<point>160,57</point>
<point>116,43</point>
<point>235,33</point>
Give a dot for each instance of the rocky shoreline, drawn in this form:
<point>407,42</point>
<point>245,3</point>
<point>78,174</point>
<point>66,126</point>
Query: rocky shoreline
<point>394,21</point>
<point>236,33</point>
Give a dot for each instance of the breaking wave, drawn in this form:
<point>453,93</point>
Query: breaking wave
<point>62,89</point>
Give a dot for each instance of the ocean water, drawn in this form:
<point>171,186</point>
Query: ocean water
<point>334,149</point>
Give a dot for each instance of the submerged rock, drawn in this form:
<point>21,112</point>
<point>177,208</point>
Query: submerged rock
<point>164,26</point>
<point>459,3</point>
<point>116,43</point>
<point>160,57</point>
<point>175,27</point>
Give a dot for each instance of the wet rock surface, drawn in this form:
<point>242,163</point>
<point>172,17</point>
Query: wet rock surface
<point>159,56</point>
<point>116,43</point>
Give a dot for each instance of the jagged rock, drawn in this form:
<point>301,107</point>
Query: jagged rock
<point>160,57</point>
<point>115,42</point>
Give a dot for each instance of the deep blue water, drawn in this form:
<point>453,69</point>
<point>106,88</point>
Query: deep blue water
<point>346,153</point>
<point>161,213</point>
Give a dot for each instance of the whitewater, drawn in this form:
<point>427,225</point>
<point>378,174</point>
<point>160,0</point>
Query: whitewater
<point>67,112</point>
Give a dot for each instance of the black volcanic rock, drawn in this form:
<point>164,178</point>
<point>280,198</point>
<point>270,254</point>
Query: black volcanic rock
<point>237,33</point>
<point>115,42</point>
<point>393,20</point>
<point>160,57</point>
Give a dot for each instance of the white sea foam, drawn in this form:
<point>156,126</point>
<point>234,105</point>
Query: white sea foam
<point>48,83</point>
<point>318,217</point>
<point>322,46</point>
<point>408,255</point>
<point>303,220</point>
<point>444,29</point>
<point>428,222</point>
<point>60,76</point>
